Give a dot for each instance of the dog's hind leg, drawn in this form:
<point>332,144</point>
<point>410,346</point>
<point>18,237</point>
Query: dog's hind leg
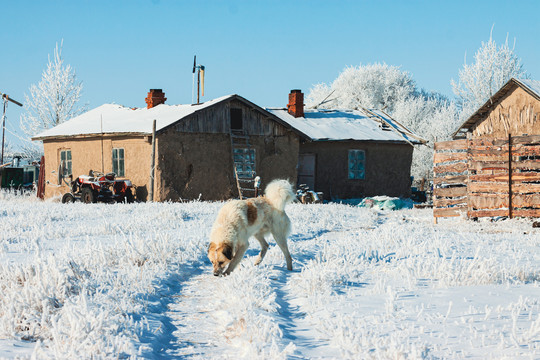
<point>281,240</point>
<point>242,247</point>
<point>264,247</point>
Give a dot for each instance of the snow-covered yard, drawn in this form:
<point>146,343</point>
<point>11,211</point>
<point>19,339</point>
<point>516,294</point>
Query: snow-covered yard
<point>120,281</point>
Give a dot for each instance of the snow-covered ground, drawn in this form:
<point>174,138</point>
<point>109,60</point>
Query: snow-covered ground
<point>121,281</point>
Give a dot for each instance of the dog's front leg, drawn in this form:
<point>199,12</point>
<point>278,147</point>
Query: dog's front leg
<point>237,258</point>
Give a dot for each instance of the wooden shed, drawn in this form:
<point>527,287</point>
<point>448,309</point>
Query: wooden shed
<point>351,153</point>
<point>201,152</point>
<point>492,167</point>
<point>514,109</point>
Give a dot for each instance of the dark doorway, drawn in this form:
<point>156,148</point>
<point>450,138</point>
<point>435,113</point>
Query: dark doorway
<point>236,119</point>
<point>306,170</point>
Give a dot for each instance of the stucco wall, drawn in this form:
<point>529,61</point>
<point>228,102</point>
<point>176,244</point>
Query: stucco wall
<point>517,113</point>
<point>387,169</point>
<point>198,165</point>
<point>193,156</point>
<point>86,155</point>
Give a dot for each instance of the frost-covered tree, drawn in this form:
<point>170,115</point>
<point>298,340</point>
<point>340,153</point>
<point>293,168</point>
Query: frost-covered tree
<point>377,86</point>
<point>53,100</point>
<point>434,118</point>
<point>8,151</point>
<point>381,86</point>
<point>492,67</point>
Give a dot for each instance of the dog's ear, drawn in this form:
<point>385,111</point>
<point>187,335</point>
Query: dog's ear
<point>227,251</point>
<point>212,247</point>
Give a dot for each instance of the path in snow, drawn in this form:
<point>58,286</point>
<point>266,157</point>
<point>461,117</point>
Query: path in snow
<point>192,320</point>
<point>249,313</point>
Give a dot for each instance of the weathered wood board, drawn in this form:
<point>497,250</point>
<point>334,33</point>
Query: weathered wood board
<point>482,167</point>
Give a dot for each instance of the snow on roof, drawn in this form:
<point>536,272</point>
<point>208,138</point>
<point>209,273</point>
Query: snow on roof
<point>316,125</point>
<point>533,85</point>
<point>365,125</point>
<point>111,118</point>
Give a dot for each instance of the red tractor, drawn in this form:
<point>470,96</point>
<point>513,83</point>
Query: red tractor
<point>99,187</point>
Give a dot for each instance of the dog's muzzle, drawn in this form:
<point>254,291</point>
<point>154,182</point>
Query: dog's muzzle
<point>218,272</point>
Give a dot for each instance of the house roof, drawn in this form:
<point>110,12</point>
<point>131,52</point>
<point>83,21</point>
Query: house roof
<point>316,125</point>
<point>339,125</point>
<point>530,86</point>
<point>118,119</point>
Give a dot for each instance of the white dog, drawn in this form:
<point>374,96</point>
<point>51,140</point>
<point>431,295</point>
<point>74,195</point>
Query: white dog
<point>238,220</point>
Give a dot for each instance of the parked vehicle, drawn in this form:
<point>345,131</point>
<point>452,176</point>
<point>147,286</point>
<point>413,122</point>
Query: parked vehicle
<point>99,187</point>
<point>17,176</point>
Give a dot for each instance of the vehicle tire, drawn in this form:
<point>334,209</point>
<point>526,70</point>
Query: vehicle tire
<point>67,198</point>
<point>88,196</point>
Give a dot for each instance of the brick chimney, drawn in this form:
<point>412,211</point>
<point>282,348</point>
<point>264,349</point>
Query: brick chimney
<point>154,98</point>
<point>295,107</point>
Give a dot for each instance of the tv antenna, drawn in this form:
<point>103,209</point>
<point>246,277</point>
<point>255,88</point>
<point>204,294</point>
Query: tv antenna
<point>200,79</point>
<point>5,99</point>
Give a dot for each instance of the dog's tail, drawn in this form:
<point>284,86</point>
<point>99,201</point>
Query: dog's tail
<point>279,193</point>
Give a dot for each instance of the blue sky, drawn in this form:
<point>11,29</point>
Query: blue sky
<point>258,49</point>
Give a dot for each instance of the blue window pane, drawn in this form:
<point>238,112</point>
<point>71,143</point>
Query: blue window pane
<point>356,164</point>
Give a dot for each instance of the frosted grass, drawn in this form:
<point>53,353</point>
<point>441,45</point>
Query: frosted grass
<point>133,281</point>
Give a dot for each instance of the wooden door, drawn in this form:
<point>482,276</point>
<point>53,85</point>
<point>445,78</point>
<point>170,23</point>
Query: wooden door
<point>306,170</point>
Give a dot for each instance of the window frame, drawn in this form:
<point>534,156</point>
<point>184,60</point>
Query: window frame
<point>354,170</point>
<point>66,162</point>
<point>116,161</point>
<point>245,160</point>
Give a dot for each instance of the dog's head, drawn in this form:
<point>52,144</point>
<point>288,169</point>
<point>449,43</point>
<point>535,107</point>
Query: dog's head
<point>220,256</point>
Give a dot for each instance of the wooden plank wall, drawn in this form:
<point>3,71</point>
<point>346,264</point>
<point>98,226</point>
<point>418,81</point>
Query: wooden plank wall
<point>526,176</point>
<point>217,120</point>
<point>488,190</point>
<point>501,177</point>
<point>450,178</point>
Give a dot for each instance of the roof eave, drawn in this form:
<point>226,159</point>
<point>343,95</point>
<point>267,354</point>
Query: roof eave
<point>528,89</point>
<point>368,140</point>
<point>85,136</point>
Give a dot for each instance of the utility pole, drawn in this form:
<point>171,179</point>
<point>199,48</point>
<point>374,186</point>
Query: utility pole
<point>152,163</point>
<point>5,99</point>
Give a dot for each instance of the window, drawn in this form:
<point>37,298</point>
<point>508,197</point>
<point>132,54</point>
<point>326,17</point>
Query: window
<point>118,162</point>
<point>244,161</point>
<point>236,119</point>
<point>65,162</point>
<point>357,164</point>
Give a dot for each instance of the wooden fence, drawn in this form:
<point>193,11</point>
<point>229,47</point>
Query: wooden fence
<point>487,177</point>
